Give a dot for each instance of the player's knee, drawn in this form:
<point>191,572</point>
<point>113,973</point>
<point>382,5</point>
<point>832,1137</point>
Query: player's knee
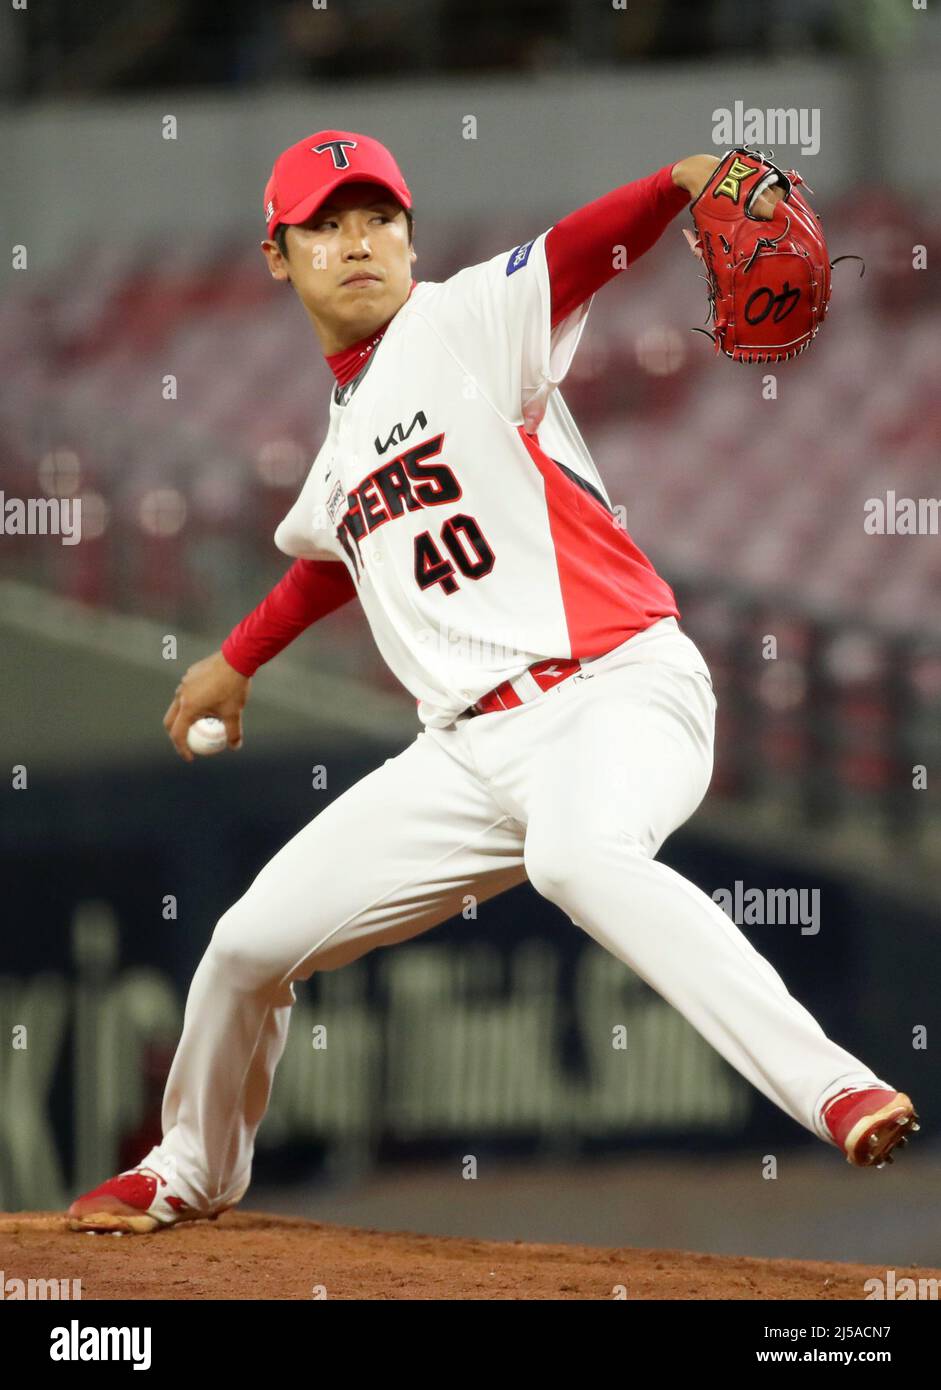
<point>550,856</point>
<point>565,862</point>
<point>240,949</point>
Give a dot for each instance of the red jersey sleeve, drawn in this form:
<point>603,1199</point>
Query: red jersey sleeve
<point>580,248</point>
<point>308,591</point>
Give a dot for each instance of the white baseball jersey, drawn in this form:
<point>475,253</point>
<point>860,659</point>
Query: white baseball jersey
<point>456,488</point>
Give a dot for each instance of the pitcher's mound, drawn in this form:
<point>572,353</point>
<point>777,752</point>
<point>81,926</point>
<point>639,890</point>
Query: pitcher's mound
<point>249,1255</point>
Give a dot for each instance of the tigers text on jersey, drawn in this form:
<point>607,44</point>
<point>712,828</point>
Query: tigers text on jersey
<point>454,485</point>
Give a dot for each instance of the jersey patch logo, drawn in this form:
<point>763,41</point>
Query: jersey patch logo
<point>335,502</point>
<point>519,257</point>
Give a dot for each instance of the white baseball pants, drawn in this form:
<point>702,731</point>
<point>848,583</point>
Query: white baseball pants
<point>576,790</point>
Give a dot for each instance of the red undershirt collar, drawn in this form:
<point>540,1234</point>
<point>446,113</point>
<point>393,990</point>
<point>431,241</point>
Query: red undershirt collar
<point>351,360</point>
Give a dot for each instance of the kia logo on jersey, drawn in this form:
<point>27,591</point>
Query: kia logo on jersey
<point>399,433</point>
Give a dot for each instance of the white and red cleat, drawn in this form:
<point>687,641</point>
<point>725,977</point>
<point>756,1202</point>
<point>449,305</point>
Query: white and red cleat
<point>136,1202</point>
<point>867,1124</point>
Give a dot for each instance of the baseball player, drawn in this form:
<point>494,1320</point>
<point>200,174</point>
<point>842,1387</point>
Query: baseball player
<point>567,721</point>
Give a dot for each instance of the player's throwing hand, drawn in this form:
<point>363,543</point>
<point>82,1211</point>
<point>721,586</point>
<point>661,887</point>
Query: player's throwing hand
<point>212,687</point>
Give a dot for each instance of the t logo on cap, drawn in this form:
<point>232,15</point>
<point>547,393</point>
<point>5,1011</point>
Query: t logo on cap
<point>335,147</point>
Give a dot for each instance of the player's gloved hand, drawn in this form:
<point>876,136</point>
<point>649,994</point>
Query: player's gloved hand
<point>763,253</point>
<point>694,173</point>
<point>209,687</point>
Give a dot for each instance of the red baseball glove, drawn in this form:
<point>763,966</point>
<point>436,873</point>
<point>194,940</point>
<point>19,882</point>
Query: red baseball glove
<point>768,278</point>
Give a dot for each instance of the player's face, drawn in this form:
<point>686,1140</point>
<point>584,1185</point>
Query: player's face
<point>351,263</point>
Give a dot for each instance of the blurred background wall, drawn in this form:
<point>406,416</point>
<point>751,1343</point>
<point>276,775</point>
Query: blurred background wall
<point>137,139</point>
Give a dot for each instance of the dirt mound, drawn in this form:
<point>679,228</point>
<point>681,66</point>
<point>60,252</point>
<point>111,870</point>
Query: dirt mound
<point>250,1255</point>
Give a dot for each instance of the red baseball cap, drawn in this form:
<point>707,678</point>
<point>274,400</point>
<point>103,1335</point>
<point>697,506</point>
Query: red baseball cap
<point>306,173</point>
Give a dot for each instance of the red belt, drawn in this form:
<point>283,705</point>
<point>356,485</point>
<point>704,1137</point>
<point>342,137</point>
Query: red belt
<point>541,676</point>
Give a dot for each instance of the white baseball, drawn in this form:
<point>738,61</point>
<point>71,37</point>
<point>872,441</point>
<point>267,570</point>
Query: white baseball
<point>206,736</point>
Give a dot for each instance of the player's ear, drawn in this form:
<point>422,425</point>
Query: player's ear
<point>277,265</point>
